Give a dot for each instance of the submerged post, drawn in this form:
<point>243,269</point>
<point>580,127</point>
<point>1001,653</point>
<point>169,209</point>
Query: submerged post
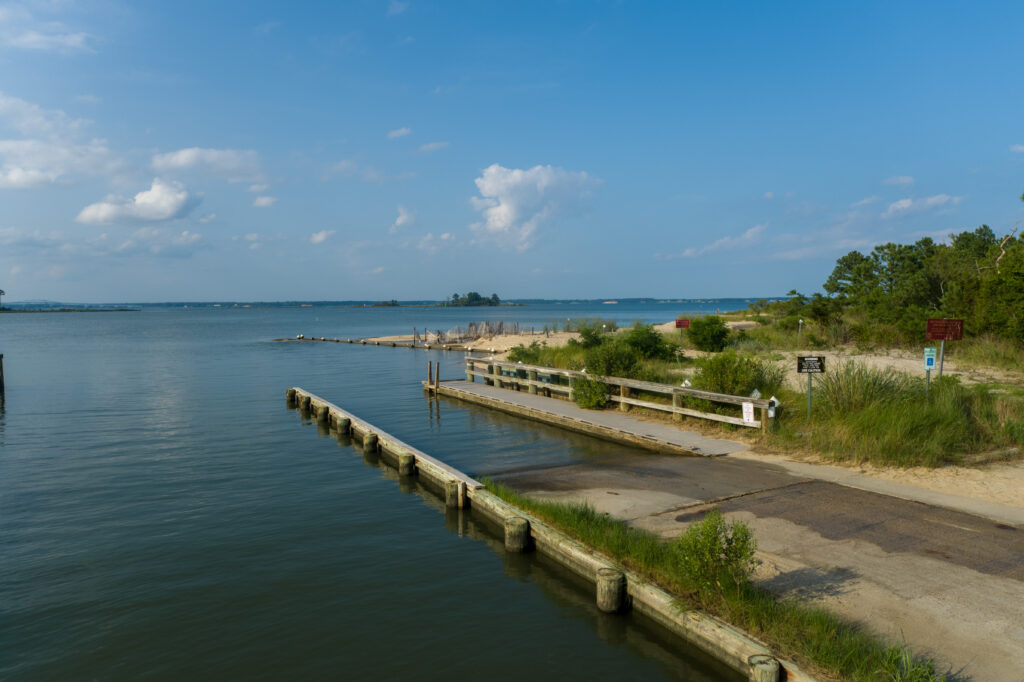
<point>304,404</point>
<point>289,395</point>
<point>2,389</point>
<point>370,442</point>
<point>611,590</point>
<point>451,494</point>
<point>343,425</point>
<point>323,415</point>
<point>406,464</point>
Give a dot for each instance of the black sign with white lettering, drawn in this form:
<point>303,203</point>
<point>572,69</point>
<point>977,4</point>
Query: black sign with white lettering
<point>810,364</point>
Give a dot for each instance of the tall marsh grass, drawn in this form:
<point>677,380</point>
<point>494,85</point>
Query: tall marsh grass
<point>882,416</point>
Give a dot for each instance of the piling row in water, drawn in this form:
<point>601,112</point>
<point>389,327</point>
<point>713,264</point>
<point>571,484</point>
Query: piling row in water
<point>390,344</point>
<point>616,589</point>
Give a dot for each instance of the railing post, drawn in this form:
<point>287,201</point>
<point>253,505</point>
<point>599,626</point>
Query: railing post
<point>469,371</point>
<point>532,376</point>
<point>623,393</point>
<point>677,401</point>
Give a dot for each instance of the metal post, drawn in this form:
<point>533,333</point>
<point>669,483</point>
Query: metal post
<point>942,353</point>
<point>927,381</point>
<point>809,386</point>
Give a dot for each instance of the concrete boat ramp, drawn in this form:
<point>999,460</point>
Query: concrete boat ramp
<point>941,572</point>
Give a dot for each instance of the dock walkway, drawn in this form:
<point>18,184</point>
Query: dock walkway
<point>616,426</point>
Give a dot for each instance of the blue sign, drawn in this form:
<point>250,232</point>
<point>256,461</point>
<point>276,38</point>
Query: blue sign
<point>929,359</point>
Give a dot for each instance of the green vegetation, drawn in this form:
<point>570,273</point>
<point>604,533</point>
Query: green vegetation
<point>708,333</point>
<point>473,299</point>
<point>709,568</point>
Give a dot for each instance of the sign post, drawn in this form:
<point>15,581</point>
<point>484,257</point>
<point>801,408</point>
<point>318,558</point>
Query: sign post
<point>810,365</point>
<point>942,330</point>
<point>929,365</point>
<point>681,325</point>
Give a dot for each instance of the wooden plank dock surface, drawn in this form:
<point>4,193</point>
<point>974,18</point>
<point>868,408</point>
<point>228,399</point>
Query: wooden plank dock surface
<point>650,435</point>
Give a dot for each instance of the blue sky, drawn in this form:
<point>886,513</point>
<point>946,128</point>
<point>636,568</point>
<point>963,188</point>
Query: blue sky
<point>409,150</point>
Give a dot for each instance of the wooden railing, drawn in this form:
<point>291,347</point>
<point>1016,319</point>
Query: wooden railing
<point>550,380</point>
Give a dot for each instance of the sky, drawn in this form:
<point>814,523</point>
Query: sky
<point>377,150</point>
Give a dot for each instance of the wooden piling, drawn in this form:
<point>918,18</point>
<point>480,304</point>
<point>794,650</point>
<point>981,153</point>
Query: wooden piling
<point>289,395</point>
<point>763,668</point>
<point>370,442</point>
<point>343,424</point>
<point>430,374</point>
<point>3,390</point>
<point>323,415</point>
<point>517,534</point>
<point>305,403</point>
<point>451,494</point>
<point>611,590</point>
<point>437,377</point>
<point>406,464</point>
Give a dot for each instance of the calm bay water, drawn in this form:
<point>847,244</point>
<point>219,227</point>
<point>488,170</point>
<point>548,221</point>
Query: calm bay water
<point>163,516</point>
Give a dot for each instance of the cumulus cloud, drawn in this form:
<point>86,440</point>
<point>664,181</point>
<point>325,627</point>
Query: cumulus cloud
<point>264,202</point>
<point>866,200</point>
<point>399,132</point>
<point>164,200</point>
<point>899,180</point>
<point>20,29</point>
<point>433,146</point>
<point>514,202</point>
<point>405,217</point>
<point>237,165</point>
<point>748,238</point>
<point>258,188</point>
<point>905,206</point>
<point>320,237</point>
<point>51,149</point>
<point>1018,148</point>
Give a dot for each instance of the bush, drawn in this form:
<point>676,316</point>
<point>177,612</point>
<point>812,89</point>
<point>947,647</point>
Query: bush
<point>717,556</point>
<point>735,374</point>
<point>647,342</point>
<point>708,333</point>
<point>589,394</point>
<point>530,355</point>
<point>612,359</point>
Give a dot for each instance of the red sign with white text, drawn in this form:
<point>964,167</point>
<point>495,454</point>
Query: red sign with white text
<point>682,324</point>
<point>945,330</point>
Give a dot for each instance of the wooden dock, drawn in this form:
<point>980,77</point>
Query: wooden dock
<point>614,426</point>
<point>725,642</point>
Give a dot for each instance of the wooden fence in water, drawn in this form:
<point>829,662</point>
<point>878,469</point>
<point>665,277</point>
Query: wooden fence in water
<point>554,382</point>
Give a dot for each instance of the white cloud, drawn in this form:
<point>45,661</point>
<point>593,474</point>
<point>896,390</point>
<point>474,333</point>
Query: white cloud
<point>164,200</point>
<point>237,165</point>
<point>395,7</point>
<point>1018,148</point>
<point>748,238</point>
<point>20,29</point>
<point>264,202</point>
<point>866,200</point>
<point>405,217</point>
<point>51,149</point>
<point>377,270</point>
<point>431,244</point>
<point>208,218</point>
<point>899,180</point>
<point>769,195</point>
<point>320,237</point>
<point>514,202</point>
<point>158,242</point>
<point>433,146</point>
<point>905,206</point>
<point>88,99</point>
<point>258,188</point>
<point>399,132</point>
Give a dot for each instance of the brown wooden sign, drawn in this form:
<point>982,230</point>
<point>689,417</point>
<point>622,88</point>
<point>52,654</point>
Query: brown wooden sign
<point>810,364</point>
<point>682,324</point>
<point>945,330</point>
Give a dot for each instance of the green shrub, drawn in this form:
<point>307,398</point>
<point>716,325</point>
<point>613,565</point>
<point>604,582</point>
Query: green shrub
<point>647,342</point>
<point>717,557</point>
<point>735,374</point>
<point>708,333</point>
<point>589,394</point>
<point>531,355</point>
<point>612,359</point>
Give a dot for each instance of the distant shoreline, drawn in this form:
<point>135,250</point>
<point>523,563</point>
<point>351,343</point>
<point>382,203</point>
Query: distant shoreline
<point>71,310</point>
